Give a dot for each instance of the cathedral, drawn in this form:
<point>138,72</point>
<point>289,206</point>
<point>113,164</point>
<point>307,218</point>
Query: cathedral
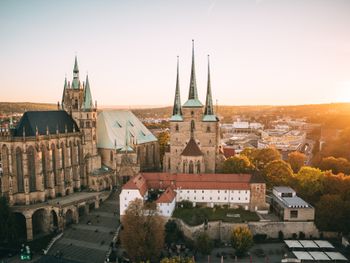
<point>194,131</point>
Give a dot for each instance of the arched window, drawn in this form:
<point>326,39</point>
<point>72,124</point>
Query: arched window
<point>43,165</point>
<point>19,170</point>
<point>177,127</point>
<point>168,163</point>
<point>71,148</point>
<point>111,156</point>
<point>31,169</point>
<point>184,167</point>
<point>54,163</point>
<point>76,104</point>
<point>192,126</point>
<point>5,160</point>
<point>63,161</point>
<point>198,167</point>
<point>208,128</point>
<point>191,168</point>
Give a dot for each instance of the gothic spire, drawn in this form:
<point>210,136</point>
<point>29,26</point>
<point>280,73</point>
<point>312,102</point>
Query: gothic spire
<point>193,85</point>
<point>64,91</point>
<point>177,110</point>
<point>209,109</point>
<point>87,103</point>
<point>76,81</point>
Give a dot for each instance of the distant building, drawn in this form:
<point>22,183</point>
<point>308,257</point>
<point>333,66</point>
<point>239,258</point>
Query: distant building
<point>289,207</point>
<point>244,190</point>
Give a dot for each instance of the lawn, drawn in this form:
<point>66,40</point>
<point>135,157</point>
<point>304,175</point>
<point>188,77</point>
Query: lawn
<point>197,215</point>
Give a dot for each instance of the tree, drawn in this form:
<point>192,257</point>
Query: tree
<point>296,160</point>
<point>8,230</point>
<point>204,244</point>
<point>309,183</point>
<point>336,165</point>
<point>143,232</point>
<point>261,157</point>
<point>177,260</point>
<point>242,240</point>
<point>278,172</point>
<point>237,164</point>
<point>172,233</point>
<point>163,139</point>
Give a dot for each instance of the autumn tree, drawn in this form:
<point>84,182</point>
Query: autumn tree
<point>163,140</point>
<point>238,164</point>
<point>309,183</point>
<point>143,232</point>
<point>242,240</point>
<point>204,244</point>
<point>261,157</point>
<point>177,260</point>
<point>278,172</point>
<point>336,165</point>
<point>296,160</point>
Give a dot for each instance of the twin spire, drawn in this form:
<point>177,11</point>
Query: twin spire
<point>193,101</point>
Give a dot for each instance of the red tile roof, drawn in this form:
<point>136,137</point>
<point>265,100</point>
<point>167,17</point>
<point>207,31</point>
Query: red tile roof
<point>137,182</point>
<point>191,149</point>
<point>167,196</point>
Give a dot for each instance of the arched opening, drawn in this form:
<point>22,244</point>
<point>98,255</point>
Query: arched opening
<point>31,168</point>
<point>53,221</point>
<point>40,222</point>
<point>54,164</point>
<point>184,166</point>
<point>191,168</point>
<point>91,206</point>
<point>44,166</point>
<point>198,167</point>
<point>63,161</point>
<point>69,217</point>
<point>67,191</point>
<point>193,127</point>
<point>4,177</point>
<point>21,227</point>
<point>19,170</point>
<point>81,211</point>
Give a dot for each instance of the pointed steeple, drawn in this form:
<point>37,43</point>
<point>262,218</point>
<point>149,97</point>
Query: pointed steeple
<point>209,109</point>
<point>87,103</point>
<point>192,95</point>
<point>76,81</point>
<point>177,110</point>
<point>193,100</point>
<point>64,92</point>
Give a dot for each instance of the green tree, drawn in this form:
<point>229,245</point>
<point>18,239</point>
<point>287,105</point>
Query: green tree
<point>8,230</point>
<point>242,240</point>
<point>296,160</point>
<point>143,232</point>
<point>237,164</point>
<point>309,183</point>
<point>261,157</point>
<point>204,244</point>
<point>172,232</point>
<point>278,172</point>
<point>163,140</point>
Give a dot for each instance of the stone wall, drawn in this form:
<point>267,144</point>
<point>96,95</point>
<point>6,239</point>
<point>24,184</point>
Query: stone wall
<point>221,230</point>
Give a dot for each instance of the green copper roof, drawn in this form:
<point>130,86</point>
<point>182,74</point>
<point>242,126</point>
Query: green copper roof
<point>76,69</point>
<point>210,118</point>
<point>208,110</point>
<point>176,118</point>
<point>177,101</point>
<point>194,103</point>
<point>87,103</point>
<point>111,130</point>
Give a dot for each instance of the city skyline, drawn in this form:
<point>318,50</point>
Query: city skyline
<point>262,52</point>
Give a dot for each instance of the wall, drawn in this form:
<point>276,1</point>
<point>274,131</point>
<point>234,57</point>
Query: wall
<point>166,209</point>
<point>222,231</point>
<point>126,196</point>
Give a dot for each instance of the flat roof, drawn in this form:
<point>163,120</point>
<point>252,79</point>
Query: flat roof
<point>295,202</point>
<point>293,244</point>
<point>336,256</point>
<point>303,255</point>
<point>284,189</point>
<point>319,255</point>
<point>308,244</point>
<point>323,244</point>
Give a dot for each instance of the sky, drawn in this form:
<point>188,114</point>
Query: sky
<point>261,51</point>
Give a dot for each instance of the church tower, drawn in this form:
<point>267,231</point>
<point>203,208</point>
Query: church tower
<point>77,101</point>
<point>194,130</point>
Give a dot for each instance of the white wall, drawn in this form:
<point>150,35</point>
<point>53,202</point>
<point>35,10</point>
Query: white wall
<point>125,197</point>
<point>213,196</point>
<point>166,209</point>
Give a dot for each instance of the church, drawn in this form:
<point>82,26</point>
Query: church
<point>194,131</point>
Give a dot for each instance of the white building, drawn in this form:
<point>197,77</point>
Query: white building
<point>236,190</point>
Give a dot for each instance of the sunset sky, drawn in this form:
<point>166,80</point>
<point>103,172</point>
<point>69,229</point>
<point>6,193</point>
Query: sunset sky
<point>261,51</point>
